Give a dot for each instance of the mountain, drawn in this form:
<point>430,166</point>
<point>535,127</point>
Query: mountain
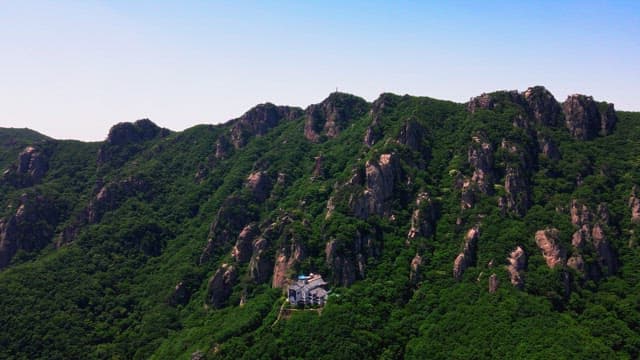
<point>503,227</point>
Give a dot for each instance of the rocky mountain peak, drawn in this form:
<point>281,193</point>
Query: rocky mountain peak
<point>136,132</point>
<point>542,106</point>
<point>584,118</point>
<point>259,120</point>
<point>332,115</point>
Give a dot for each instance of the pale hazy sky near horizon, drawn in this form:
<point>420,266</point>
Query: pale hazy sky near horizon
<point>72,69</point>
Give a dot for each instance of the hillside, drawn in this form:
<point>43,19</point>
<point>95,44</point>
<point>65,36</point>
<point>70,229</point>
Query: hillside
<point>503,227</point>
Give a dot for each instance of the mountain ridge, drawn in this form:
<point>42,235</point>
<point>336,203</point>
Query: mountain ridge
<point>407,205</point>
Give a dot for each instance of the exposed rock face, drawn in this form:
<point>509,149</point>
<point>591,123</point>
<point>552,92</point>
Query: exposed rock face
<point>411,135</point>
<point>244,244</point>
<point>591,232</point>
<point>517,262</point>
<point>493,283</point>
<point>344,270</point>
<point>223,148</point>
<point>517,189</point>
<point>318,170</point>
<point>260,185</point>
<point>129,133</point>
<point>584,120</point>
<point>416,264</point>
<point>606,256</point>
<point>480,158</point>
<point>347,259</point>
<point>548,147</point>
<point>634,205</point>
<point>260,265</point>
<point>542,106</point>
<point>181,295</point>
<point>379,179</point>
<point>547,241</point>
<point>30,167</point>
<point>286,259</point>
<point>576,262</point>
<point>538,104</point>
<point>112,195</point>
<point>371,136</point>
<point>516,181</point>
<point>139,131</point>
<point>467,257</point>
<point>221,285</point>
<point>231,218</point>
<point>423,217</point>
<point>259,120</point>
<point>33,163</point>
<point>31,228</point>
<point>608,120</point>
<point>482,102</point>
<point>332,115</point>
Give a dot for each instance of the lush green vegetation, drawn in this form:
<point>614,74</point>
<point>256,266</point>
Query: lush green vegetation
<point>107,294</point>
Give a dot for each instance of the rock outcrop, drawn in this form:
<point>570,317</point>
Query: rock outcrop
<point>584,119</point>
<point>126,134</point>
<point>332,115</point>
<point>112,195</point>
<point>480,158</point>
<point>30,228</point>
<point>468,255</point>
<point>412,134</point>
<point>347,258</point>
<point>258,121</point>
<point>634,205</point>
<point>318,167</point>
<point>261,264</point>
<point>33,163</point>
<point>379,182</point>
<point>243,248</point>
<point>220,285</point>
<point>493,283</point>
<point>233,215</point>
<point>29,169</point>
<point>482,102</point>
<point>542,106</point>
<point>516,186</point>
<point>343,268</point>
<point>260,184</point>
<point>423,217</point>
<point>223,148</point>
<point>590,234</point>
<point>416,265</point>
<point>547,241</point>
<point>548,148</point>
<point>180,295</point>
<point>517,262</point>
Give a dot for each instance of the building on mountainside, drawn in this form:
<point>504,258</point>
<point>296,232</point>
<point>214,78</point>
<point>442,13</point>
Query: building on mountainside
<point>308,290</point>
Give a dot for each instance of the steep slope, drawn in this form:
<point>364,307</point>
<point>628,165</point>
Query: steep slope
<point>445,230</point>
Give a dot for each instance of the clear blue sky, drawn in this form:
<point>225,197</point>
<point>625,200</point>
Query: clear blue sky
<point>72,69</point>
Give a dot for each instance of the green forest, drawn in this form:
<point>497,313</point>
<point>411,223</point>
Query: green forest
<point>505,227</point>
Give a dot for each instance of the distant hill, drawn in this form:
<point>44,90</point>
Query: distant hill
<point>505,227</point>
